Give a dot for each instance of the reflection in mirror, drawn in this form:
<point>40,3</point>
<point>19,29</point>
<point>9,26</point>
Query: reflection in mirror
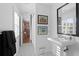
<point>66,19</point>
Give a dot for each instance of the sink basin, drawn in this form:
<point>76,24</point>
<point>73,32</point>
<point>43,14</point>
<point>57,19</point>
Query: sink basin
<point>59,45</point>
<point>54,41</point>
<point>62,41</point>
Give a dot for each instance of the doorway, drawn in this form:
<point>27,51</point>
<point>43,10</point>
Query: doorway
<point>26,29</point>
<point>26,32</point>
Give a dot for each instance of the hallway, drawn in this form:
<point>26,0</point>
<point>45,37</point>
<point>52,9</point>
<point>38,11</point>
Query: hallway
<point>26,50</point>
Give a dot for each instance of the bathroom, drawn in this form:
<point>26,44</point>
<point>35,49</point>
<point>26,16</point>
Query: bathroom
<point>49,43</point>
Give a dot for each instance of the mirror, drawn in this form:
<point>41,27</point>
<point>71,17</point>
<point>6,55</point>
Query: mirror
<point>66,19</point>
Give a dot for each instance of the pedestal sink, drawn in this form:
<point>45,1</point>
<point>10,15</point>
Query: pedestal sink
<point>61,44</point>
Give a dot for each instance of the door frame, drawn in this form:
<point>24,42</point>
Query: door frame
<point>21,30</point>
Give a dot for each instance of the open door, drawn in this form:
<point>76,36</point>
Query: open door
<point>26,31</point>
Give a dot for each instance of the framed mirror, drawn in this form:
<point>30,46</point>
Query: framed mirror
<point>68,19</point>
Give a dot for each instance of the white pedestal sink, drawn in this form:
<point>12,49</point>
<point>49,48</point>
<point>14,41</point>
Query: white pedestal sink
<point>60,45</point>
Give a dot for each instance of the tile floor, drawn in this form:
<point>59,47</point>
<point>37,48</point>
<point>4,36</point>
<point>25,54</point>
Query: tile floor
<point>26,50</point>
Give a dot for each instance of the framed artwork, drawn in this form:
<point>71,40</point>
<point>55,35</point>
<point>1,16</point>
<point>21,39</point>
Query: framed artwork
<point>42,30</point>
<point>42,19</point>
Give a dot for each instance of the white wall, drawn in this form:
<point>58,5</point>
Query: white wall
<point>17,33</point>
<point>42,44</point>
<point>54,19</point>
<point>7,18</point>
<point>26,8</point>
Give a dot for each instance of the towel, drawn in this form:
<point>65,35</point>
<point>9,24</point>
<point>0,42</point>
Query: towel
<point>9,43</point>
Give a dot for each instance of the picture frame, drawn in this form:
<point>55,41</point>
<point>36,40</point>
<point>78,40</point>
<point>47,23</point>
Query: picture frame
<point>42,30</point>
<point>42,19</point>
